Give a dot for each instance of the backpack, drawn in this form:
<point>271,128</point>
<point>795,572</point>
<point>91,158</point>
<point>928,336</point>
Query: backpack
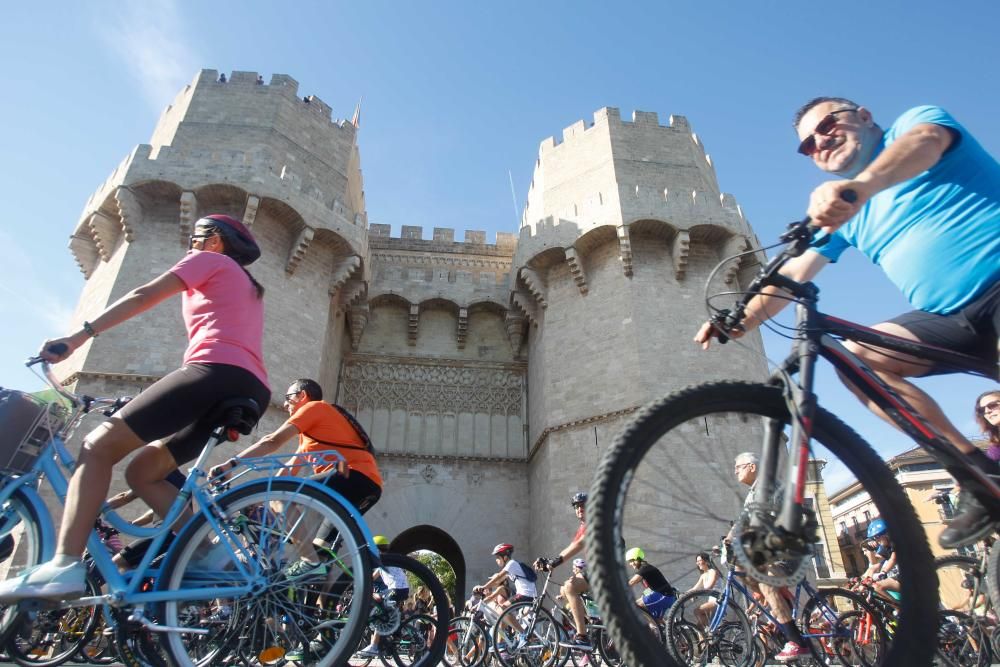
<point>529,572</point>
<point>358,428</point>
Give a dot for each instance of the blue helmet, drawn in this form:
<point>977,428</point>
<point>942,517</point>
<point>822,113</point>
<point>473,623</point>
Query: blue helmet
<point>877,528</point>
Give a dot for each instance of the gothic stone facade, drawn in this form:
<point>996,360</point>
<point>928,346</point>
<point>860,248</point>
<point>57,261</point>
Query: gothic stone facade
<point>490,375</point>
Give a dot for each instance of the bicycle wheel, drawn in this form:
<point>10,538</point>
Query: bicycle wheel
<point>843,629</point>
<point>402,631</point>
<point>468,642</point>
<point>959,578</point>
<point>527,637</point>
<point>962,640</point>
<point>50,638</point>
<point>667,483</point>
<point>19,520</point>
<point>269,523</point>
<point>700,633</point>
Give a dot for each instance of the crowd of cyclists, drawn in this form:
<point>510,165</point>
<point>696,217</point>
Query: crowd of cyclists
<point>897,198</point>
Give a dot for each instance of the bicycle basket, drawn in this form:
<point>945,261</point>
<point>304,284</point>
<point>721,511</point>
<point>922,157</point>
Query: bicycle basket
<point>26,426</point>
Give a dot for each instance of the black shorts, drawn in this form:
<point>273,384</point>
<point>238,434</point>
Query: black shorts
<point>359,489</point>
<point>175,408</point>
<point>971,330</point>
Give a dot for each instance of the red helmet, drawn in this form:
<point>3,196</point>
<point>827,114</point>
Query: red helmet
<point>503,549</point>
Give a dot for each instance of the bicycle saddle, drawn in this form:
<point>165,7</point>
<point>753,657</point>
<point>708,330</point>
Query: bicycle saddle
<point>240,413</point>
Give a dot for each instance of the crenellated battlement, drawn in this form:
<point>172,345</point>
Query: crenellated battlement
<point>611,117</point>
<point>252,83</point>
<point>443,238</point>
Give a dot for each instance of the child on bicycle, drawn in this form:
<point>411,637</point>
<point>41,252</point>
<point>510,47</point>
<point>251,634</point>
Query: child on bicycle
<point>169,422</point>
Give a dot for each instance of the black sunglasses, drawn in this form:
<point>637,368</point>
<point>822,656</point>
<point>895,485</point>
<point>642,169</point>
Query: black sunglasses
<point>824,127</point>
<point>992,406</point>
<point>292,395</point>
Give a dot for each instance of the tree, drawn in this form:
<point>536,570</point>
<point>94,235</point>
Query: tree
<point>442,570</point>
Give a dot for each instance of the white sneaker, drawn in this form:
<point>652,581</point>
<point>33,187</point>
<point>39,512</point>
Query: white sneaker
<point>46,581</point>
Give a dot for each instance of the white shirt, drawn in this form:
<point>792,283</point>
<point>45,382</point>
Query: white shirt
<point>517,574</point>
<point>393,577</point>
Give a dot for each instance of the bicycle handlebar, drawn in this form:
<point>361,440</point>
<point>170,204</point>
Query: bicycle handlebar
<point>797,238</point>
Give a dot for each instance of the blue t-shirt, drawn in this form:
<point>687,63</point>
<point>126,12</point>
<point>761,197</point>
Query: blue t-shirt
<point>937,235</point>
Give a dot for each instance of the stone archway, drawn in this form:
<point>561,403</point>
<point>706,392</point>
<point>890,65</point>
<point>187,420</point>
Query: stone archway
<point>441,543</point>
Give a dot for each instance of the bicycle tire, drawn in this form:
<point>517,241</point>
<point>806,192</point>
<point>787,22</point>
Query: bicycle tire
<point>962,640</point>
<point>539,646</point>
<point>18,516</point>
<point>261,517</point>
<point>59,632</point>
<point>439,616</point>
<point>858,634</point>
<point>957,577</point>
<point>682,417</point>
<point>469,642</point>
<point>688,640</point>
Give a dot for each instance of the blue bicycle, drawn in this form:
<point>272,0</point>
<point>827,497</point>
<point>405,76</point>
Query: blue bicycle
<point>229,581</point>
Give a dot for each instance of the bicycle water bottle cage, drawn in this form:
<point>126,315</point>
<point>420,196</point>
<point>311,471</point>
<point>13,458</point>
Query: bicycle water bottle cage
<point>236,415</point>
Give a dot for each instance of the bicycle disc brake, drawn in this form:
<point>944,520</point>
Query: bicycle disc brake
<point>385,620</point>
<point>771,555</point>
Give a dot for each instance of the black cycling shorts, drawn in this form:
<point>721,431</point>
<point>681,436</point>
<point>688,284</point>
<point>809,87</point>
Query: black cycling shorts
<point>971,330</point>
<point>358,488</point>
<point>175,408</point>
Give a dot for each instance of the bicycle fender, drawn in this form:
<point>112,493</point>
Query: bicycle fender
<point>30,497</point>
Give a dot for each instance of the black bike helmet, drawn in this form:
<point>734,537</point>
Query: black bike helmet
<point>579,498</point>
<point>239,242</point>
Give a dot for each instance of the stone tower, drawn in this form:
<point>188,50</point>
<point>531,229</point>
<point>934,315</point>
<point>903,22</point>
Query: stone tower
<point>623,223</point>
<point>489,375</point>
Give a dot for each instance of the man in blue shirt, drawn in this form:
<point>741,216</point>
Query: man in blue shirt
<point>928,213</point>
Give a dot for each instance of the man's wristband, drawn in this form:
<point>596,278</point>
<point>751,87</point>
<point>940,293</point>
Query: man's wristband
<point>555,561</point>
<point>89,328</point>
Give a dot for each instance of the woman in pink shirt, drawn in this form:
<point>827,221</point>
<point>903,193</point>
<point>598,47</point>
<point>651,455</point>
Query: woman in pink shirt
<point>224,317</point>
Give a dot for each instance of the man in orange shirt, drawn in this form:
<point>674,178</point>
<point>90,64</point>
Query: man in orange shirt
<point>320,427</point>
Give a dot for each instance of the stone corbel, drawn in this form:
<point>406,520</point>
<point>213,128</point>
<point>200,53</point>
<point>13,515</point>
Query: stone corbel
<point>517,327</point>
<point>535,286</point>
<point>188,216</point>
<point>576,269</point>
<point>129,211</point>
<point>298,249</point>
<point>105,232</point>
<point>681,251</point>
<point>523,300</point>
<point>351,294</point>
<point>250,212</point>
<point>342,271</point>
<point>84,252</point>
<point>413,325</point>
<point>733,246</point>
<point>358,320</point>
<point>463,327</point>
<point>625,250</point>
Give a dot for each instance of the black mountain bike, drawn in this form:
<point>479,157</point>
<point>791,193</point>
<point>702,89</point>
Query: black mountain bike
<point>668,480</point>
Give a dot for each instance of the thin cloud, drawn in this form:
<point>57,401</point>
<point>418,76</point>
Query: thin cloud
<point>145,36</point>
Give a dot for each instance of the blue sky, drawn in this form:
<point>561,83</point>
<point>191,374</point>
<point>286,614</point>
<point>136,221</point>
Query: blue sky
<point>458,93</point>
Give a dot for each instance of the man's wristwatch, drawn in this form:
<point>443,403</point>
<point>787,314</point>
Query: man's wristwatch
<point>555,561</point>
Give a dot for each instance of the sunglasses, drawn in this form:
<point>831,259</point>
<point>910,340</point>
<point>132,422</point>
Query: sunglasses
<point>824,127</point>
<point>992,406</point>
<point>292,395</point>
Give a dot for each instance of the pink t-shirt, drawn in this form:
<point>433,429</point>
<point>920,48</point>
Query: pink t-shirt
<point>222,314</point>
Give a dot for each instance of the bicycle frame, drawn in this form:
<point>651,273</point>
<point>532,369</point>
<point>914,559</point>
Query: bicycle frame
<point>818,335</point>
<point>733,583</point>
<point>125,588</point>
